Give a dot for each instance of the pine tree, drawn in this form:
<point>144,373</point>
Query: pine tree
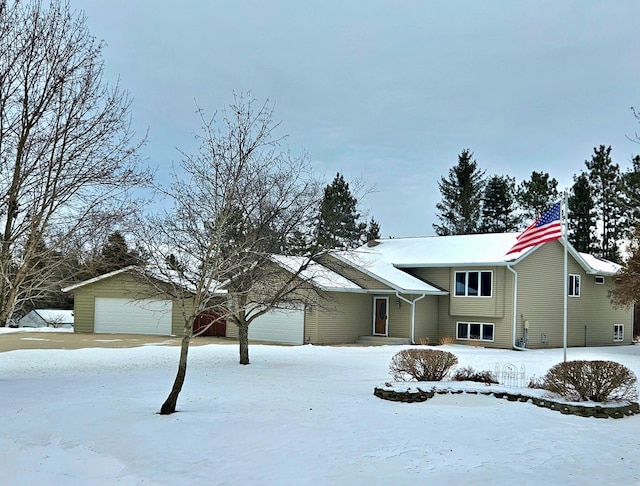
<point>581,215</point>
<point>605,183</point>
<point>537,195</point>
<point>338,225</point>
<point>460,210</point>
<point>116,255</point>
<point>373,231</point>
<point>499,205</point>
<point>630,195</point>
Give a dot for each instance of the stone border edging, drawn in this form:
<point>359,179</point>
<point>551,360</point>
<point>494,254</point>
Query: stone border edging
<point>596,411</point>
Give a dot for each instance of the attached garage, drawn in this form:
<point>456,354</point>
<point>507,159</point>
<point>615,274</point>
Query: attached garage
<point>127,316</point>
<point>276,326</point>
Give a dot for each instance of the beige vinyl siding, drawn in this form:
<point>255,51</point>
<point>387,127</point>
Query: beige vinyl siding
<point>341,319</point>
<point>450,310</point>
<point>399,317</point>
<point>121,285</point>
<point>426,325</point>
<point>541,302</point>
<point>486,307</point>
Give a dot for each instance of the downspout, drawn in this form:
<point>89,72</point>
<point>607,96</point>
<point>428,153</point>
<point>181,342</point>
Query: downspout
<point>413,313</point>
<point>515,308</point>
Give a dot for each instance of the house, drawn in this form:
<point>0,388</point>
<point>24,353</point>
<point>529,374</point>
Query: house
<point>465,288</point>
<point>47,318</point>
<point>404,290</point>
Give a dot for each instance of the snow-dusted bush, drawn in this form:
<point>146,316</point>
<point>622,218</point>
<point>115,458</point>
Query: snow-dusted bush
<point>469,374</point>
<point>421,364</point>
<point>597,381</point>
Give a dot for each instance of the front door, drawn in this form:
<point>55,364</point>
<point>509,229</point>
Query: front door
<point>380,318</point>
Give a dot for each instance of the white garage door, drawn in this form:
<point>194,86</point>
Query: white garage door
<point>143,316</point>
<point>280,326</point>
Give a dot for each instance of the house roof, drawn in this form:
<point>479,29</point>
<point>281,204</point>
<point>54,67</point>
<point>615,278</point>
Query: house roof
<point>375,265</point>
<point>55,315</point>
<point>99,278</point>
<point>461,250</point>
<point>316,274</point>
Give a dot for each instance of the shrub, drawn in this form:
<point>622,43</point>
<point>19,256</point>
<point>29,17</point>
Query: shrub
<point>469,374</point>
<point>597,381</point>
<point>421,364</point>
<point>536,383</point>
<point>446,340</point>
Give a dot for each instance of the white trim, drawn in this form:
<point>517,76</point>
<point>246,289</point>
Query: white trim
<point>599,277</point>
<point>386,323</point>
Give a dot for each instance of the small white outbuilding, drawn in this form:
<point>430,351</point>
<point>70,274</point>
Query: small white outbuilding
<point>47,318</point>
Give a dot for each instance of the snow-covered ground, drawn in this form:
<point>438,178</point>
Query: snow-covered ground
<point>295,416</point>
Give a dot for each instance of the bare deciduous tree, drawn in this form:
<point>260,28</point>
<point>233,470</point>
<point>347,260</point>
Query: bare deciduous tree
<point>238,203</point>
<point>67,156</point>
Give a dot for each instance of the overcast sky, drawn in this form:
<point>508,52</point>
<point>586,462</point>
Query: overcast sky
<point>388,91</point>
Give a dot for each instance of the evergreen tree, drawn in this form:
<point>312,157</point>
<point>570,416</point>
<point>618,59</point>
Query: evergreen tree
<point>373,231</point>
<point>537,195</point>
<point>338,225</point>
<point>581,215</point>
<point>460,210</point>
<point>630,196</point>
<point>116,255</point>
<point>605,183</point>
<point>499,205</point>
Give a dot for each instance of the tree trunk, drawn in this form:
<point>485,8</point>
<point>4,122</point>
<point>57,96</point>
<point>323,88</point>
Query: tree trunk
<point>243,337</point>
<point>169,406</point>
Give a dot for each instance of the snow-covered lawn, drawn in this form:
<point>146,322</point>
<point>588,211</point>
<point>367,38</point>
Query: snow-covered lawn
<point>295,416</point>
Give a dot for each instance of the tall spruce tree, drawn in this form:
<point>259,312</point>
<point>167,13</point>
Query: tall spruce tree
<point>115,255</point>
<point>460,210</point>
<point>537,195</point>
<point>338,219</point>
<point>605,183</point>
<point>499,206</point>
<point>630,196</point>
<point>581,215</point>
<point>373,231</point>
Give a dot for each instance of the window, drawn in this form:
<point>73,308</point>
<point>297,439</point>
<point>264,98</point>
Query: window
<point>599,279</point>
<point>574,285</point>
<point>477,331</point>
<point>618,332</point>
<point>473,284</point>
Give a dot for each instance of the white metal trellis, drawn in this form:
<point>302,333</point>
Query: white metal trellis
<point>508,375</point>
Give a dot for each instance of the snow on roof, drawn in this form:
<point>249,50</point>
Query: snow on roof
<point>374,264</point>
<point>468,250</point>
<point>61,316</point>
<point>599,265</point>
<point>316,274</point>
<point>433,251</point>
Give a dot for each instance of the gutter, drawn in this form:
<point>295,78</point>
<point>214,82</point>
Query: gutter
<point>515,307</point>
<point>413,312</point>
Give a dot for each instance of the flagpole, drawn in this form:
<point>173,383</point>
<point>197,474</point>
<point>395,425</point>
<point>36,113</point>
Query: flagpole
<point>565,226</point>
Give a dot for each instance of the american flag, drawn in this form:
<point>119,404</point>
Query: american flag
<point>546,228</point>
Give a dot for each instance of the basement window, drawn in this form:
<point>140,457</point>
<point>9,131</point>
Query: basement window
<point>618,332</point>
<point>474,331</point>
